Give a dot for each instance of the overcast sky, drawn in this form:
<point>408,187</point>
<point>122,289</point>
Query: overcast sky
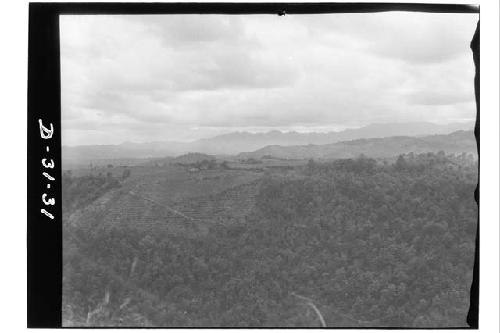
<point>184,77</point>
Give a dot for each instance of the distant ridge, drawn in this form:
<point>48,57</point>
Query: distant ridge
<point>237,142</point>
<point>456,142</point>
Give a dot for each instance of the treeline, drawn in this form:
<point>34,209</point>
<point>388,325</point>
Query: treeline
<point>368,243</point>
<point>205,165</point>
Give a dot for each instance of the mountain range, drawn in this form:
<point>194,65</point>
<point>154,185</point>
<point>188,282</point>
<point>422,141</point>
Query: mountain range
<point>241,142</point>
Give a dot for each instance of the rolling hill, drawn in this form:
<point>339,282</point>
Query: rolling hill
<point>456,142</point>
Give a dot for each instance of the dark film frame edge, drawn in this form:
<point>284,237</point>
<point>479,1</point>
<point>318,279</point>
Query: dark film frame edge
<point>44,237</point>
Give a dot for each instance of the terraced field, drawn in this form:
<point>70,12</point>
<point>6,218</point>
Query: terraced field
<point>173,200</point>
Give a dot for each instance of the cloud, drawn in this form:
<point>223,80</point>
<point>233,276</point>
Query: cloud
<point>437,98</point>
<point>410,37</point>
<point>169,77</point>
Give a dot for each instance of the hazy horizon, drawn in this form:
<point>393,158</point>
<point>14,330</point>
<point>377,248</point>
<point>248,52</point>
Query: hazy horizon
<point>266,131</point>
<point>141,78</point>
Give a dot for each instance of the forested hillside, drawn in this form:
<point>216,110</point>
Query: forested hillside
<point>352,242</point>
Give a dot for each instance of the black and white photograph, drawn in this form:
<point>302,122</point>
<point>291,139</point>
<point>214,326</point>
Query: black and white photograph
<point>268,171</point>
<point>254,166</point>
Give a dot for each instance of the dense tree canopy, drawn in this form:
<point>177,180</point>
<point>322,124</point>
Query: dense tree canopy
<point>368,243</point>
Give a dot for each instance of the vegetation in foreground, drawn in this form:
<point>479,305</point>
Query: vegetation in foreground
<point>352,242</point>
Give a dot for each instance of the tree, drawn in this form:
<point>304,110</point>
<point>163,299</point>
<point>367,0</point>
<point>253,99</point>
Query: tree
<point>311,164</point>
<point>400,163</point>
<point>126,173</point>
